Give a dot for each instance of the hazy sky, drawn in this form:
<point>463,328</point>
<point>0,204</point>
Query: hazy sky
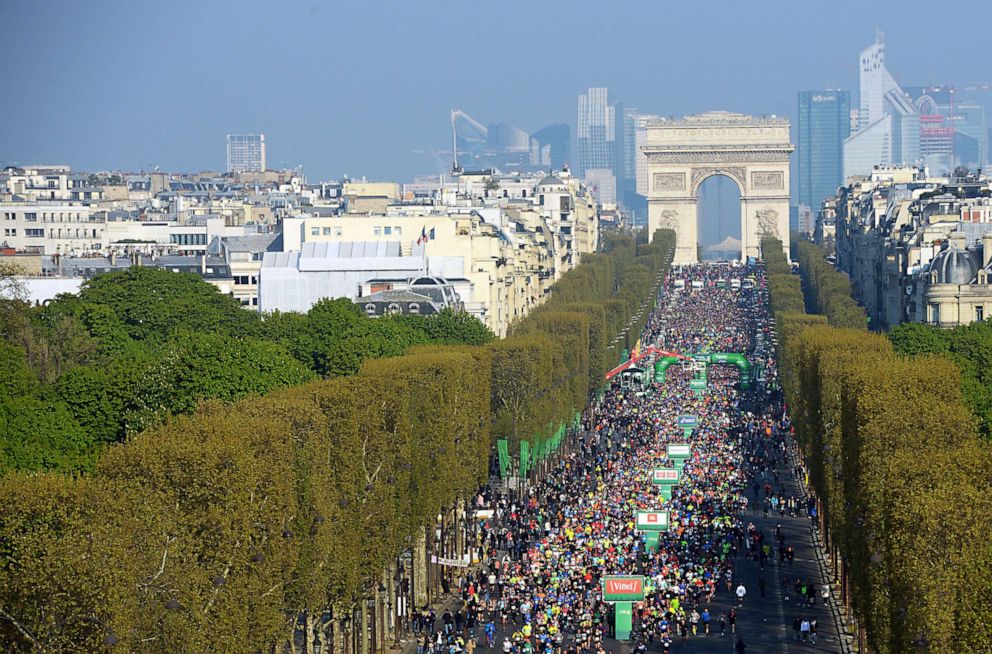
<point>360,87</point>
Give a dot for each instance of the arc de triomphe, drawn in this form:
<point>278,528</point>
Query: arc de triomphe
<point>754,152</point>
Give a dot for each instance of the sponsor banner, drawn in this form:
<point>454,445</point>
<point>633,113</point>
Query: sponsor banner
<point>687,421</point>
<point>679,451</point>
<point>458,563</point>
<point>652,520</point>
<point>666,475</point>
<point>623,589</point>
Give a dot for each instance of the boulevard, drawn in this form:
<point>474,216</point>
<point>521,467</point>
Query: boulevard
<point>736,568</point>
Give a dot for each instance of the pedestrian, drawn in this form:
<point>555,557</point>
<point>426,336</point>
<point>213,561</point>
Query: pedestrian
<point>740,647</point>
<point>723,623</point>
<point>741,592</point>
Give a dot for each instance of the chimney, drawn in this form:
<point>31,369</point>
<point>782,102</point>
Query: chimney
<point>957,240</point>
<point>986,249</point>
<point>203,264</point>
<point>113,258</point>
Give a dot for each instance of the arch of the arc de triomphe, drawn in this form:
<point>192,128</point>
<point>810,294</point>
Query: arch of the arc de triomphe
<point>754,152</point>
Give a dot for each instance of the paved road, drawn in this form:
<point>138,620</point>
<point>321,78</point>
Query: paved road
<point>764,623</point>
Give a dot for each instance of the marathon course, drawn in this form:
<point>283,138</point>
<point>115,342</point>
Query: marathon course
<point>719,543</point>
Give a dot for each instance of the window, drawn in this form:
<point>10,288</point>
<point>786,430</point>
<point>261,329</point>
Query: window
<point>393,308</point>
<point>337,231</point>
<point>370,309</point>
<point>414,307</point>
<point>315,231</point>
<point>397,230</point>
<point>387,230</point>
<point>10,232</point>
<point>377,231</point>
<point>31,217</point>
<point>935,313</point>
<point>979,314</point>
<point>327,231</point>
<point>254,301</point>
<point>34,233</point>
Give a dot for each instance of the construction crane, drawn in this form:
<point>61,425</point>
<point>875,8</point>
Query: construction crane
<point>476,125</point>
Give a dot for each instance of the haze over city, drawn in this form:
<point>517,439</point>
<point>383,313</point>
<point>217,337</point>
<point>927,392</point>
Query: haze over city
<point>502,327</point>
<point>364,88</point>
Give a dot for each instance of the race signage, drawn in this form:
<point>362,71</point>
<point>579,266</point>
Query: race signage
<point>458,563</point>
<point>623,589</point>
<point>679,451</point>
<point>697,384</point>
<point>665,475</point>
<point>687,421</point>
<point>652,520</point>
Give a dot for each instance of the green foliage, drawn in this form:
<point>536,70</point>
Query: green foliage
<point>152,303</point>
<point>828,291</point>
<point>274,493</point>
<point>970,347</point>
<point>894,455</point>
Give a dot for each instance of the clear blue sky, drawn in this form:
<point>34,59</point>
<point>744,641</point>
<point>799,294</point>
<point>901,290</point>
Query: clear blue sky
<point>358,87</point>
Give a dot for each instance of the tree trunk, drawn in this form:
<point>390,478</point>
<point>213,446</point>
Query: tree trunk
<point>308,633</point>
<point>420,569</point>
<point>363,629</point>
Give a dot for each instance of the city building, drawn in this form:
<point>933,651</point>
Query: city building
<point>916,248</point>
<point>824,123</point>
<point>245,153</point>
<point>595,132</point>
<point>888,122</point>
<point>499,241</point>
<point>555,143</point>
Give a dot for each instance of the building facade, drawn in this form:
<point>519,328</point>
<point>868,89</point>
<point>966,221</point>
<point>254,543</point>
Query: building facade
<point>824,123</point>
<point>916,248</point>
<point>595,132</point>
<point>245,153</point>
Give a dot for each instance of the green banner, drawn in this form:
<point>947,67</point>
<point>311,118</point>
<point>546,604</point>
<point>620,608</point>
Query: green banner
<point>503,454</point>
<point>524,458</point>
<point>623,620</point>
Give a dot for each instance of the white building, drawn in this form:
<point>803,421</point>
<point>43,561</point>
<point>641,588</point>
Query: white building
<point>50,227</point>
<point>888,123</point>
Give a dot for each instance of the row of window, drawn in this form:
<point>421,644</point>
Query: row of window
<point>935,313</point>
<point>316,231</point>
<point>245,279</point>
<point>188,239</point>
<point>393,307</point>
<point>378,230</point>
<point>46,217</point>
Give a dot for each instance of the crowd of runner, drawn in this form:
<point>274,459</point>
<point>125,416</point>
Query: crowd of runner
<point>549,547</point>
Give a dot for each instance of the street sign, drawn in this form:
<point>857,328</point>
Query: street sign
<point>687,421</point>
<point>623,589</point>
<point>652,520</point>
<point>665,475</point>
<point>679,451</point>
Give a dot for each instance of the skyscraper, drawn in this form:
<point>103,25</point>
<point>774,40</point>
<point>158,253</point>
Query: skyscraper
<point>245,153</point>
<point>824,123</point>
<point>888,123</point>
<point>557,139</point>
<point>595,132</point>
